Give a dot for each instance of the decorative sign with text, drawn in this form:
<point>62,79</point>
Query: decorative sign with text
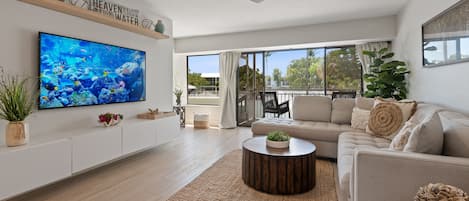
<point>115,10</point>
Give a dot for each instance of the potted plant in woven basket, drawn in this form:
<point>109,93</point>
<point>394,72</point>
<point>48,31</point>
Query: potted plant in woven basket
<point>278,139</point>
<point>16,104</point>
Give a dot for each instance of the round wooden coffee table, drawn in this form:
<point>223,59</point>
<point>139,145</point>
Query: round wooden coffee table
<point>279,171</point>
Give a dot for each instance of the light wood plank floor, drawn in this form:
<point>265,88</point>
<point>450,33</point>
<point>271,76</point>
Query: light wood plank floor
<point>149,176</point>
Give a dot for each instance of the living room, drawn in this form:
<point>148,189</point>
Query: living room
<point>244,100</point>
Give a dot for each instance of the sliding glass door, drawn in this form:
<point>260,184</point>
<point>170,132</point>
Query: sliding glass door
<point>250,84</point>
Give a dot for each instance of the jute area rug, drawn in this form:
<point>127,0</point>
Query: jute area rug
<point>223,181</point>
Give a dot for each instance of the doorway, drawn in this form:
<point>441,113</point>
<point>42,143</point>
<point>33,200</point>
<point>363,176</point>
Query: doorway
<point>250,82</point>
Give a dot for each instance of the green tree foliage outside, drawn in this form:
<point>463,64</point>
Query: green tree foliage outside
<point>246,77</point>
<point>343,70</point>
<point>305,73</point>
<point>196,80</point>
<point>277,77</point>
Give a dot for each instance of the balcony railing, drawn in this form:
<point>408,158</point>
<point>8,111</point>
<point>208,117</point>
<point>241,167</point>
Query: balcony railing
<point>287,95</point>
<point>207,91</point>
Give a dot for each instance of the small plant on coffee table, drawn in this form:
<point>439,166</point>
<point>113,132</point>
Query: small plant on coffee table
<point>278,136</point>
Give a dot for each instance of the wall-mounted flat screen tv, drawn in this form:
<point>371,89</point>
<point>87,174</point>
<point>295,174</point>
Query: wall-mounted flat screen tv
<point>75,72</point>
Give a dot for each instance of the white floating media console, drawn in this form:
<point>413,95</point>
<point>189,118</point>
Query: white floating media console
<point>47,159</point>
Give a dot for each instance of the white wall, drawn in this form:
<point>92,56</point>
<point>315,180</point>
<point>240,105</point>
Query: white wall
<point>382,28</point>
<point>180,76</point>
<point>446,85</point>
<point>20,24</point>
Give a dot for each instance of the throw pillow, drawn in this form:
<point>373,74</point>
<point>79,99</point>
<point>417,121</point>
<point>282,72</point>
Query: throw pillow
<point>427,137</point>
<point>364,103</point>
<point>388,117</point>
<point>408,107</point>
<point>360,118</point>
<point>400,140</point>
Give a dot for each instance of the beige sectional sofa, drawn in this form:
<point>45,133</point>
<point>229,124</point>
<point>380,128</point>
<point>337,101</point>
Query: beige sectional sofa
<point>367,169</point>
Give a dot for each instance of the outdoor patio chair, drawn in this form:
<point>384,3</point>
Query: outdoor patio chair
<point>271,105</point>
<point>344,94</point>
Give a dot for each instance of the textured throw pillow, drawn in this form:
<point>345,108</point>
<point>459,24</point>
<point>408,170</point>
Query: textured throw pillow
<point>427,137</point>
<point>360,118</point>
<point>408,107</point>
<point>400,140</point>
<point>388,117</point>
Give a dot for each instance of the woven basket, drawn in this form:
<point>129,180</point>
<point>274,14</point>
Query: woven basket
<point>440,191</point>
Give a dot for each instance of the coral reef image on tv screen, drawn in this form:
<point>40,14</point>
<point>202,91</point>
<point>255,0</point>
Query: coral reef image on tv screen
<point>76,72</point>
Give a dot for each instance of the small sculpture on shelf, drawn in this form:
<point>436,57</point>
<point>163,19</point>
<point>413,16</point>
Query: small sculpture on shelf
<point>153,114</point>
<point>110,119</point>
<point>153,111</point>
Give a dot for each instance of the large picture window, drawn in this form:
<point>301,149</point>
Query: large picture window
<point>315,71</point>
<point>311,71</point>
<point>203,78</point>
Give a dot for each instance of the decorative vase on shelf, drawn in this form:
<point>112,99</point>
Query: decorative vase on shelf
<point>16,133</point>
<point>178,101</point>
<point>178,94</point>
<point>159,27</point>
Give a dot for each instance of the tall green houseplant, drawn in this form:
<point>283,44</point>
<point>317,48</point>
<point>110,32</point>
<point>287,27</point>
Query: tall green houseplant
<point>16,104</point>
<point>387,77</point>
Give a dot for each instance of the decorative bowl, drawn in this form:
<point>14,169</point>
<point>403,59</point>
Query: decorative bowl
<point>278,144</point>
<point>110,119</point>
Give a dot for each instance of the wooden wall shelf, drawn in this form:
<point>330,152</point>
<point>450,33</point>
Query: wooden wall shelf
<point>94,16</point>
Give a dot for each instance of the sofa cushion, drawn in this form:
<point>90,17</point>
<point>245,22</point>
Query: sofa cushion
<point>342,110</point>
<point>456,134</point>
<point>364,103</point>
<point>360,118</point>
<point>348,142</point>
<point>427,137</point>
<point>312,108</point>
<point>318,131</point>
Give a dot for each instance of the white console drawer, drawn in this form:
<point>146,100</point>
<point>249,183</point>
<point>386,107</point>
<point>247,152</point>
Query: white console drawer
<point>138,136</point>
<point>32,166</point>
<point>96,147</point>
<point>167,129</point>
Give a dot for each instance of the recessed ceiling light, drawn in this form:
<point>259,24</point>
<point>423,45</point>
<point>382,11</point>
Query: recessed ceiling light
<point>257,1</point>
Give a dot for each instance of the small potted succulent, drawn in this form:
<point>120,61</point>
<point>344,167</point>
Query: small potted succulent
<point>110,119</point>
<point>278,139</point>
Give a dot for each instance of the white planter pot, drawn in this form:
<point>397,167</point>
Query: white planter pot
<point>278,144</point>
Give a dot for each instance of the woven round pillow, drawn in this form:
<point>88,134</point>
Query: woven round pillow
<point>385,119</point>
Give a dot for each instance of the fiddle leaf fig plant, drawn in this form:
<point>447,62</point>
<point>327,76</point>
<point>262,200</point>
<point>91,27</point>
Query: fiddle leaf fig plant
<point>387,77</point>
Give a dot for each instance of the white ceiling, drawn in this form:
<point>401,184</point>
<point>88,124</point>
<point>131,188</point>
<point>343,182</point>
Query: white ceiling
<point>207,17</point>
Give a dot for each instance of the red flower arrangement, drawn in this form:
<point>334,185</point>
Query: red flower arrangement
<point>110,119</point>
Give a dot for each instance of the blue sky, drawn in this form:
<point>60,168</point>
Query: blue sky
<point>203,64</point>
<point>278,59</point>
